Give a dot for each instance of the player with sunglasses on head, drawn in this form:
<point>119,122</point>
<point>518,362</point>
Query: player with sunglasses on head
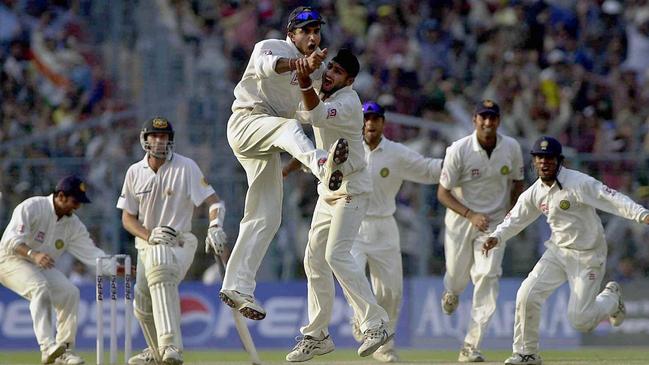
<point>261,126</point>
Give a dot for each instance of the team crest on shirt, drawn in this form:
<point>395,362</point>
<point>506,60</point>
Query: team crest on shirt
<point>331,113</point>
<point>564,204</point>
<point>505,170</point>
<point>82,187</point>
<point>384,172</point>
<point>475,173</point>
<point>59,244</point>
<point>21,228</point>
<point>204,182</point>
<point>169,192</point>
<point>591,276</point>
<point>40,237</point>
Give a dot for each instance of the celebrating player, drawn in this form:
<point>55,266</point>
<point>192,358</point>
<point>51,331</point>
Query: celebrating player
<point>481,178</point>
<point>261,126</point>
<point>377,244</point>
<point>157,202</point>
<point>576,250</point>
<point>336,114</point>
<point>40,230</point>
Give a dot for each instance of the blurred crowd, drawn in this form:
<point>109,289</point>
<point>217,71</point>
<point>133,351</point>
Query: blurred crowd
<point>574,69</point>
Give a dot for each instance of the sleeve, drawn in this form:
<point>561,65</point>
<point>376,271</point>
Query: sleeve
<point>265,56</point>
<point>199,188</point>
<point>518,166</point>
<point>83,248</point>
<point>336,113</point>
<point>599,196</point>
<point>522,215</point>
<point>417,168</point>
<point>20,228</point>
<point>451,168</point>
<point>127,200</point>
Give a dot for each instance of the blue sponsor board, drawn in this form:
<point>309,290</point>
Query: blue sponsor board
<point>208,324</point>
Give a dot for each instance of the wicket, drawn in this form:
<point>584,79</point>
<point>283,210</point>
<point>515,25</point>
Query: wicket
<point>128,307</point>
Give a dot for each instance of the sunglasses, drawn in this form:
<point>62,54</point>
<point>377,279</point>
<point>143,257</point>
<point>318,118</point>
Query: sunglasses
<point>307,14</point>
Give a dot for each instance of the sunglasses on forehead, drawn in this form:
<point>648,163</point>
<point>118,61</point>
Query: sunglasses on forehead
<point>305,15</point>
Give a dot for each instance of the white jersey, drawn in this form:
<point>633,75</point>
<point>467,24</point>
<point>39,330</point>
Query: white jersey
<point>35,223</point>
<point>341,116</point>
<point>263,90</point>
<point>570,210</point>
<point>480,182</point>
<point>165,198</point>
<point>389,164</point>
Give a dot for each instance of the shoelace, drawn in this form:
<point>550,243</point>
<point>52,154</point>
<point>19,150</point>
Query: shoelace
<point>531,357</point>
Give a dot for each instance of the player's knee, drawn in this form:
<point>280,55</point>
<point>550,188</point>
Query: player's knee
<point>526,298</point>
<point>581,322</point>
<point>143,307</point>
<point>163,274</point>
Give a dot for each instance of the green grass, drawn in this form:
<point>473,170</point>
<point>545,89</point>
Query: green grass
<point>612,356</point>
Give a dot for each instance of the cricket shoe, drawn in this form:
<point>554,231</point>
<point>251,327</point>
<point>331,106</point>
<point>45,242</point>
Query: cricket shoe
<point>329,167</point>
<point>171,356</point>
<point>356,330</point>
<point>244,303</point>
<point>469,353</point>
<point>143,358</point>
<point>520,359</point>
<point>386,356</point>
<point>374,338</point>
<point>52,352</point>
<point>69,358</point>
<point>450,302</point>
<point>616,318</point>
<point>307,347</point>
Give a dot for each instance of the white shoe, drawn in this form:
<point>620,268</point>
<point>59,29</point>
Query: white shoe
<point>450,302</point>
<point>469,353</point>
<point>616,318</point>
<point>51,353</point>
<point>386,356</point>
<point>330,174</point>
<point>244,303</point>
<point>374,338</point>
<point>143,358</point>
<point>69,358</point>
<point>518,359</point>
<point>356,330</point>
<point>307,347</point>
<point>171,356</point>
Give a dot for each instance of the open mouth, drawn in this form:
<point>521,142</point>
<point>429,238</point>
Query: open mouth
<point>311,47</point>
<point>327,82</point>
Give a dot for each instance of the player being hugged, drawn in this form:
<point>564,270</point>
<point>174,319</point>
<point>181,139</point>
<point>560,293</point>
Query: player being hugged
<point>576,250</point>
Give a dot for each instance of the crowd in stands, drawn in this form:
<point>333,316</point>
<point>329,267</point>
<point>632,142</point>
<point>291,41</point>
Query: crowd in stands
<point>574,69</point>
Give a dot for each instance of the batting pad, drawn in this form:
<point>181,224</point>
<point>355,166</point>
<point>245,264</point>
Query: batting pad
<point>163,285</point>
<point>144,313</point>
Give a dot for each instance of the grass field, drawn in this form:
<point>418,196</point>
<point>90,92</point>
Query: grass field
<point>612,356</point>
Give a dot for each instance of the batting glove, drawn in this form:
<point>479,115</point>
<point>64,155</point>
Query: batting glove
<point>215,240</point>
<point>163,235</point>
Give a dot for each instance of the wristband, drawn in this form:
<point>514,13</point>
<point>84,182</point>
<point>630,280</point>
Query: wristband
<point>307,88</point>
<point>466,212</point>
<point>220,216</point>
<point>29,252</point>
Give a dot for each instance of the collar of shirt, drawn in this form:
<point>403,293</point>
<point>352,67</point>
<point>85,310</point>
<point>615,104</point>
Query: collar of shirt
<point>145,162</point>
<point>380,146</point>
<point>476,145</point>
<point>50,200</point>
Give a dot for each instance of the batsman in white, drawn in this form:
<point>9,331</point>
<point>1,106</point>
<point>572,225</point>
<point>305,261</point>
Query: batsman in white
<point>261,126</point>
<point>337,117</point>
<point>157,202</point>
<point>377,244</point>
<point>481,178</point>
<point>575,252</point>
<point>40,230</point>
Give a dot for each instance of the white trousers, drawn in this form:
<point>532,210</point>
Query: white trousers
<point>44,288</point>
<point>334,228</point>
<point>257,140</point>
<point>464,261</point>
<point>584,271</point>
<point>168,332</point>
<point>377,246</point>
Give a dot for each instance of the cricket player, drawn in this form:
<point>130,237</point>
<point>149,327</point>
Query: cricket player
<point>157,202</point>
<point>377,244</point>
<point>41,229</point>
<point>261,126</point>
<point>576,250</point>
<point>336,113</point>
<point>481,178</point>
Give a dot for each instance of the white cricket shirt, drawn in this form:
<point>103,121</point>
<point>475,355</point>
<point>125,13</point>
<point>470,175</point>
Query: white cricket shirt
<point>165,198</point>
<point>570,210</point>
<point>263,90</point>
<point>482,183</point>
<point>389,164</point>
<point>34,223</point>
<point>341,116</point>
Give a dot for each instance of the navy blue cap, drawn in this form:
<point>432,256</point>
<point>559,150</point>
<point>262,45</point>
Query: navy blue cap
<point>372,107</point>
<point>347,60</point>
<point>74,187</point>
<point>546,146</point>
<point>487,106</point>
